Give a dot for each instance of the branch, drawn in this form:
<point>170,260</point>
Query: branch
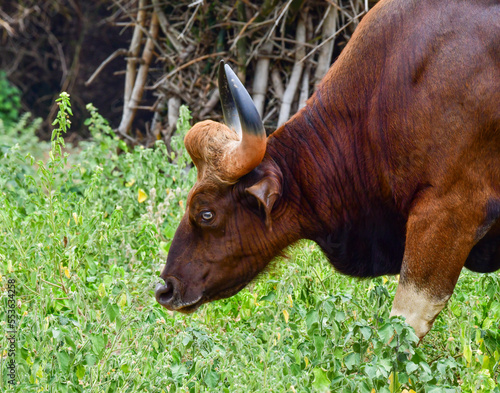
<point>333,35</point>
<point>212,102</point>
<point>115,54</point>
<point>189,63</point>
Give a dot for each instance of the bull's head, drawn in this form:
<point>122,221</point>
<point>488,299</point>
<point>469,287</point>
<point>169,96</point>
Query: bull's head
<point>226,236</point>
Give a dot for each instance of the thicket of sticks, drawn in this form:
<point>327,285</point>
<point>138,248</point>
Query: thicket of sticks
<point>280,49</point>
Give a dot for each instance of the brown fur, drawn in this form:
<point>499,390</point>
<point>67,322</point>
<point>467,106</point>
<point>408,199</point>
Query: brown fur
<point>392,166</point>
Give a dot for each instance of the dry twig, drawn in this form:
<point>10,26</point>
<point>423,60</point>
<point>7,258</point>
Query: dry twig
<point>111,57</point>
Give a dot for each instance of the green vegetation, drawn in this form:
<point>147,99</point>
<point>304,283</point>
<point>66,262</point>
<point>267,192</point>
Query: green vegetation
<point>10,101</point>
<point>85,231</point>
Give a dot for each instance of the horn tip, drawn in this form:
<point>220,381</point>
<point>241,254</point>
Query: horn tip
<point>229,70</point>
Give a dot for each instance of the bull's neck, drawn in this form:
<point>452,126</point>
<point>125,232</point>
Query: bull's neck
<point>325,159</point>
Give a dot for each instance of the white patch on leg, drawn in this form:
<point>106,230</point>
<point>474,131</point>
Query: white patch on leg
<point>417,307</point>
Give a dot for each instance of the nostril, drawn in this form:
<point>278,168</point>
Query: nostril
<point>164,293</point>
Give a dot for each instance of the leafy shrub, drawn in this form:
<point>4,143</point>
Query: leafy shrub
<point>10,101</point>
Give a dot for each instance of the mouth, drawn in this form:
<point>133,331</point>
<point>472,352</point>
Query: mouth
<point>168,298</point>
<point>190,307</point>
<point>228,292</point>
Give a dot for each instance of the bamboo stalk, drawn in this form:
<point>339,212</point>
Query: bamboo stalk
<point>174,104</point>
<point>261,77</point>
<point>241,42</point>
<point>293,84</point>
<point>304,87</point>
<point>135,47</point>
<point>325,56</point>
<point>157,122</point>
<point>130,110</point>
<point>279,90</point>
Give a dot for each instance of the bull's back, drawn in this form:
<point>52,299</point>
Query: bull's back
<point>434,109</point>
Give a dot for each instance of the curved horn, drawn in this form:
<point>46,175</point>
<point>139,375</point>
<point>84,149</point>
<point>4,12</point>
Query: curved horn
<point>229,111</point>
<point>241,114</point>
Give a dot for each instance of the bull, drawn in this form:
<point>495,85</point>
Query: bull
<point>393,166</point>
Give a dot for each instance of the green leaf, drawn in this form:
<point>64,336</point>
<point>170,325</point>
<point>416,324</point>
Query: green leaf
<point>269,297</point>
<point>212,379</point>
<point>98,345</point>
<point>370,371</point>
<point>90,359</point>
<point>351,359</point>
<point>112,311</point>
<point>340,316</point>
<point>125,368</point>
<point>70,342</point>
<point>366,332</point>
<point>165,246</point>
<point>411,367</point>
<point>319,343</point>
<point>187,340</point>
<point>56,333</point>
<point>386,332</point>
<point>80,371</point>
<point>101,290</point>
<point>64,359</point>
<point>122,301</point>
<point>178,371</point>
<point>394,382</point>
<point>321,382</point>
<point>467,353</point>
<point>169,232</point>
<point>312,321</point>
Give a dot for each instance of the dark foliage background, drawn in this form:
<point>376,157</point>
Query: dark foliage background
<point>52,46</point>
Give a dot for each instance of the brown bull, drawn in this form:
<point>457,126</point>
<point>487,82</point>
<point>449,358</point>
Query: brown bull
<point>392,167</point>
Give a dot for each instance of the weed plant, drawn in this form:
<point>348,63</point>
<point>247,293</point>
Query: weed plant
<point>85,234</point>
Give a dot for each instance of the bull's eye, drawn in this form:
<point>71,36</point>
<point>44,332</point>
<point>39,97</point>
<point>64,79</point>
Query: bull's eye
<point>207,216</point>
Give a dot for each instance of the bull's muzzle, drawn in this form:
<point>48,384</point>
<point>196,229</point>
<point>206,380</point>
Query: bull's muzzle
<point>169,295</point>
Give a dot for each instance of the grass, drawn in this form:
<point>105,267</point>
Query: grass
<point>85,236</point>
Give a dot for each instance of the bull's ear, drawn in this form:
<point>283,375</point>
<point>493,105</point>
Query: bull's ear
<point>267,191</point>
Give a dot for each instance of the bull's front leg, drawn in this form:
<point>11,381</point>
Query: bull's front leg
<point>439,237</point>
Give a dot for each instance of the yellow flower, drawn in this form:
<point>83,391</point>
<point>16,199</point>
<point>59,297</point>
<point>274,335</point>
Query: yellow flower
<point>285,313</point>
<point>142,195</point>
